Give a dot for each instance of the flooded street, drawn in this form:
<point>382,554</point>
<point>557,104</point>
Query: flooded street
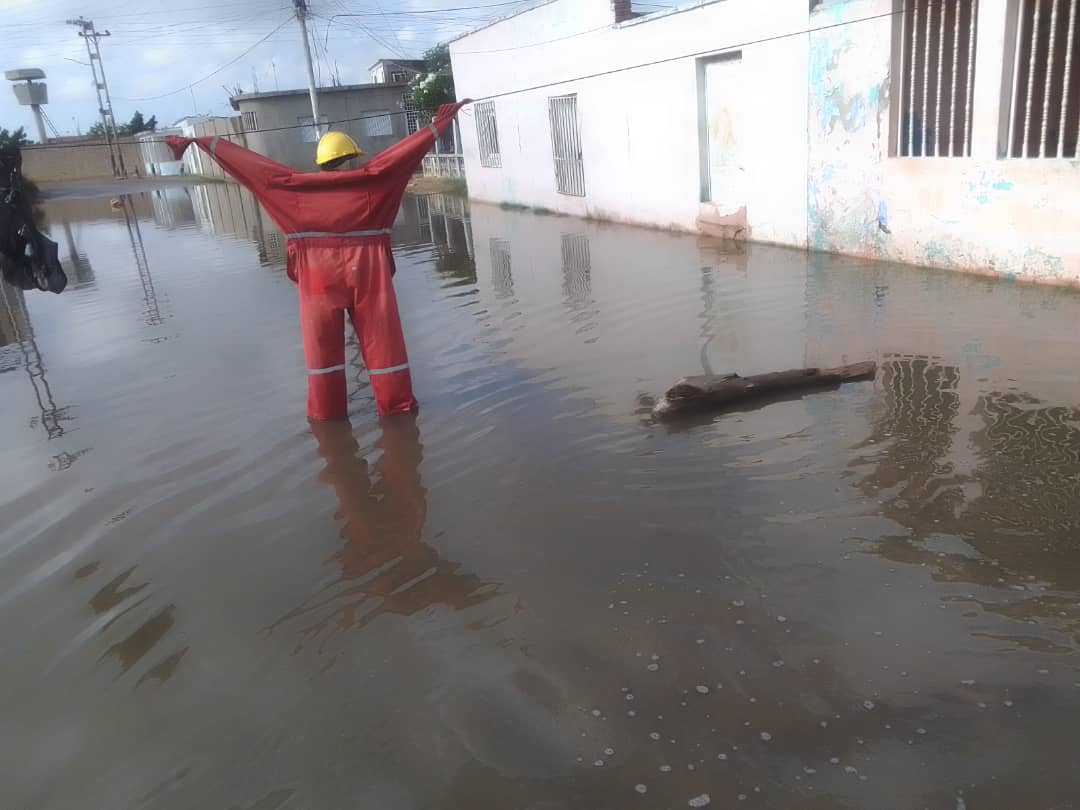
<point>531,596</point>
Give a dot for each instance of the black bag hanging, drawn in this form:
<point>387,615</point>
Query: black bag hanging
<point>28,259</point>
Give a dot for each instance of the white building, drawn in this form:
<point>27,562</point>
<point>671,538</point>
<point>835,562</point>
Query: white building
<point>799,122</point>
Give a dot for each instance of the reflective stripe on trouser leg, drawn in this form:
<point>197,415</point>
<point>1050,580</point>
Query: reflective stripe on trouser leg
<point>322,323</point>
<point>382,343</point>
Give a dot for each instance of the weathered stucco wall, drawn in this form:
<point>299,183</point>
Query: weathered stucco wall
<point>834,185</point>
<point>982,213</point>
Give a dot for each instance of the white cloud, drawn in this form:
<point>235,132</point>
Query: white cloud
<point>158,46</point>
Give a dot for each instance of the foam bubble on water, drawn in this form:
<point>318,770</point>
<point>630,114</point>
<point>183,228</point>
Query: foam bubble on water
<point>690,766</point>
<point>665,769</point>
<point>598,764</point>
<point>969,682</point>
<point>1008,704</point>
<point>878,633</point>
<point>595,712</point>
<point>702,689</point>
<point>810,771</point>
<point>739,621</point>
<point>581,759</point>
<point>700,801</point>
<point>652,667</point>
<point>781,619</point>
<point>630,696</point>
<point>631,713</point>
<point>654,735</point>
<point>834,760</point>
<point>721,756</point>
<point>1043,671</point>
<point>920,731</point>
<point>609,751</point>
<point>642,789</point>
<point>868,705</point>
<point>778,663</point>
<point>850,769</point>
<point>766,736</point>
<point>753,700</point>
<point>824,723</point>
<point>738,603</point>
<point>741,797</point>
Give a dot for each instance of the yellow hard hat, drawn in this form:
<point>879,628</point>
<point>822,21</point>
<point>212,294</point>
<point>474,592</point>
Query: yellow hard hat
<point>335,147</point>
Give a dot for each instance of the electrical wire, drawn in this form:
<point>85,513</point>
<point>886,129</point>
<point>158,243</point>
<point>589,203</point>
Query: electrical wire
<point>214,72</point>
<point>598,74</point>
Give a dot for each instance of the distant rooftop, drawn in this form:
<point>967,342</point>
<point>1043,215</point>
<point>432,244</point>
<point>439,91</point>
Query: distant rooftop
<point>345,88</point>
<point>415,64</point>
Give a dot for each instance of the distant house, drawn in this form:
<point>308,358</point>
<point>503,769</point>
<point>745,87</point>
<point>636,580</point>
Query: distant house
<point>198,126</point>
<point>940,133</point>
<point>279,124</point>
<point>396,71</point>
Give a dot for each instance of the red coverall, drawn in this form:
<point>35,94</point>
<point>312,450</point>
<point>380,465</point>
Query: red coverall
<point>338,229</point>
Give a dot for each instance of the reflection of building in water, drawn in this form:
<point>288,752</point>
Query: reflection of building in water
<point>1011,515</point>
<point>450,231</point>
<point>16,330</point>
<point>917,407</point>
<point>227,209</point>
<point>172,206</point>
<point>12,319</point>
<point>80,271</point>
<point>502,279</point>
<point>386,568</point>
<point>576,268</point>
<point>152,310</point>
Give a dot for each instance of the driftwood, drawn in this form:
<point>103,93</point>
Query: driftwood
<point>696,394</point>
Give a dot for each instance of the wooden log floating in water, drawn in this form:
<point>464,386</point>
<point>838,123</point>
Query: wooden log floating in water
<point>704,393</point>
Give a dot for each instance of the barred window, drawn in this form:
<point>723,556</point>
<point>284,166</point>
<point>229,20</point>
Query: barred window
<point>1044,105</point>
<point>937,70</point>
<point>376,123</point>
<point>487,134</point>
<point>250,121</point>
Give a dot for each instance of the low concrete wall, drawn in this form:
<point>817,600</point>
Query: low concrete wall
<point>84,160</point>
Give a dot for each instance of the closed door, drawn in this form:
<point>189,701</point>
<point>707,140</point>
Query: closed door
<point>725,111</point>
<point>566,145</point>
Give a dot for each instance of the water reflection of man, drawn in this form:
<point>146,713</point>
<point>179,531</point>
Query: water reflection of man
<point>384,509</point>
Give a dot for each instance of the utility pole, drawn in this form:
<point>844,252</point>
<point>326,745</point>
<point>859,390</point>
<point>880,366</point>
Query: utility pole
<point>101,86</point>
<point>301,16</point>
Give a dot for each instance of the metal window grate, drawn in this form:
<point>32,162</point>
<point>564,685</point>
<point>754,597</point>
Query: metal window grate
<point>1044,106</point>
<point>412,114</point>
<point>937,70</point>
<point>566,145</point>
<point>376,124</point>
<point>487,135</point>
<point>250,121</point>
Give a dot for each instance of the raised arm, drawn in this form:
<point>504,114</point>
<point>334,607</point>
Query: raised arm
<point>249,168</point>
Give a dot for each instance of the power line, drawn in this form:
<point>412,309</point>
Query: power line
<point>557,82</point>
<point>214,72</point>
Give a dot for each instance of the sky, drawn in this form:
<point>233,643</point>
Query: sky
<point>158,48</point>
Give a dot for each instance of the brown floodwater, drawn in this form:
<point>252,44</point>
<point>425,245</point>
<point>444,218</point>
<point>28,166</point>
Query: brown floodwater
<point>530,596</point>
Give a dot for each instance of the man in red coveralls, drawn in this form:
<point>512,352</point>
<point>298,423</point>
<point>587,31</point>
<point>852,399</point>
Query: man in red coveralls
<point>337,225</point>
